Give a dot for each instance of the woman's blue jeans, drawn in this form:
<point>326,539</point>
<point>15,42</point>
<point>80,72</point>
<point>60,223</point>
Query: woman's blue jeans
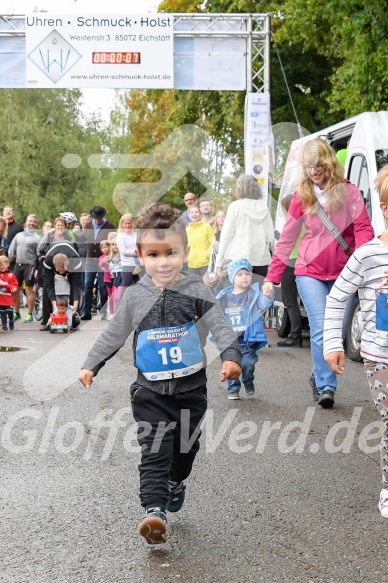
<point>313,293</point>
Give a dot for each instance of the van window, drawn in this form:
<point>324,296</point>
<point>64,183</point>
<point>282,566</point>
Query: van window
<point>359,175</point>
<point>381,158</point>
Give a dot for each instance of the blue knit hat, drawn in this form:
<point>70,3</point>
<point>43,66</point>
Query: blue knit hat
<point>236,265</point>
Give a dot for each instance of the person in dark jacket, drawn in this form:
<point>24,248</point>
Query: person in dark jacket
<point>58,241</point>
<point>171,315</point>
<point>95,232</point>
<point>62,282</point>
<point>13,226</point>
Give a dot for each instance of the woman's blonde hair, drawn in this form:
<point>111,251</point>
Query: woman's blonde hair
<point>315,152</point>
<point>3,220</point>
<point>125,217</point>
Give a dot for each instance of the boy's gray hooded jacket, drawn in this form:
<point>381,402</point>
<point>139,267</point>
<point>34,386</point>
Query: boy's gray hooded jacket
<point>144,307</point>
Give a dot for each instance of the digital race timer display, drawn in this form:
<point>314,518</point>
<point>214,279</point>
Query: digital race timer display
<point>117,58</point>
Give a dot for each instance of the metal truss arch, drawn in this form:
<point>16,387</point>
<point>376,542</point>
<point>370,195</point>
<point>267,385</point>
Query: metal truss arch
<point>255,28</point>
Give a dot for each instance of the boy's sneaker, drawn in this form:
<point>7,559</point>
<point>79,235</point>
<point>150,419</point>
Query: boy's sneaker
<point>234,396</point>
<point>28,318</point>
<point>4,328</point>
<point>326,399</point>
<point>383,503</point>
<point>249,389</point>
<point>16,316</point>
<point>177,496</point>
<point>11,326</point>
<point>153,526</point>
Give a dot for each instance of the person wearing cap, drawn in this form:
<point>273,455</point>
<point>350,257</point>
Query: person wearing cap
<point>76,235</point>
<point>95,231</point>
<point>241,303</point>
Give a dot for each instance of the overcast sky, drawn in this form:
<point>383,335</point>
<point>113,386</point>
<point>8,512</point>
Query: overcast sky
<point>94,99</point>
<point>81,6</point>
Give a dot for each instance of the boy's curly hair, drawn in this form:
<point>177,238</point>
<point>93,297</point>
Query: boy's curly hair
<point>160,218</point>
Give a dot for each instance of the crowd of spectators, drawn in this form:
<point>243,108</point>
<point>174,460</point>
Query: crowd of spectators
<point>91,262</point>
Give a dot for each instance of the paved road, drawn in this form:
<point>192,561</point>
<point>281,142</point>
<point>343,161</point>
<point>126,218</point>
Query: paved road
<point>257,510</point>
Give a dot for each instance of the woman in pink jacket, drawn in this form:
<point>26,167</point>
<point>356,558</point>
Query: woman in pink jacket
<point>321,185</point>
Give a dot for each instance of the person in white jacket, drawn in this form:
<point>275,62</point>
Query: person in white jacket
<point>248,228</point>
<point>126,242</point>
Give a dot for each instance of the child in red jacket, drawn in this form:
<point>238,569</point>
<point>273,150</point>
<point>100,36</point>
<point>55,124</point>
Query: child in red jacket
<point>8,287</point>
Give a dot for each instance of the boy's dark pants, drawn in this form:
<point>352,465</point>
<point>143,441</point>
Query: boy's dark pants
<point>6,312</point>
<point>168,433</point>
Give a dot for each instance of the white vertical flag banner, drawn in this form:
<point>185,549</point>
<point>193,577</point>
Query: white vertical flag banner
<point>258,139</point>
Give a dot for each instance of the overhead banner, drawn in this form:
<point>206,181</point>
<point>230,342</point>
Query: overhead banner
<point>210,63</point>
<point>258,139</point>
<point>120,51</point>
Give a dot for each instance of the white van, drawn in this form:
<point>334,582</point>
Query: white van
<point>366,138</point>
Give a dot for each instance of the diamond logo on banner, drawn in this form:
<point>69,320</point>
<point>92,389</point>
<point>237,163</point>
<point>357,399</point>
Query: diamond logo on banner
<point>54,56</point>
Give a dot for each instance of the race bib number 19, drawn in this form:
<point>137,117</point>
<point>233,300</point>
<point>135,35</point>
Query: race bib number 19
<point>168,353</point>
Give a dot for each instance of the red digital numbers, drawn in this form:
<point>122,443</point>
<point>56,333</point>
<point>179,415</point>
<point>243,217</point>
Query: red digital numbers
<point>116,58</point>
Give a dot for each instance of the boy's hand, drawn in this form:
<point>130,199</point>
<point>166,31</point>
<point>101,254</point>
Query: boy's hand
<point>230,370</point>
<point>336,361</point>
<point>86,377</point>
<point>267,289</point>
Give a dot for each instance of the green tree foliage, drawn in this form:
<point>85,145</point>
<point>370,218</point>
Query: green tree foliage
<point>39,128</point>
<point>156,114</point>
<point>351,37</point>
<point>334,57</point>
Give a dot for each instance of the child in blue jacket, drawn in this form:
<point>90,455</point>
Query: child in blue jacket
<point>241,303</point>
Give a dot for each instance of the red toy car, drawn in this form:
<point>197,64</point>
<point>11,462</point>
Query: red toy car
<point>58,323</point>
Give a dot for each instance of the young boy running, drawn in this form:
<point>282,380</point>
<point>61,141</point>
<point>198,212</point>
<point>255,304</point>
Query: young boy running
<point>366,272</point>
<point>241,304</point>
<point>171,315</point>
